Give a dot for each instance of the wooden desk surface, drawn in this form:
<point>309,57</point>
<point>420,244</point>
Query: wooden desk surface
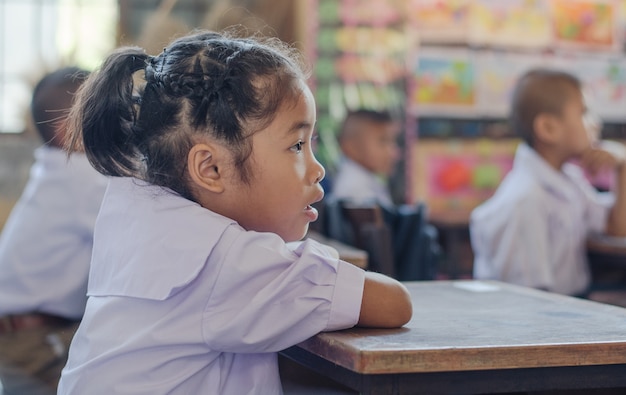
<point>472,325</point>
<point>607,245</point>
<point>346,252</point>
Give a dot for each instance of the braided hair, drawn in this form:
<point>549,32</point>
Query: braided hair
<point>203,84</point>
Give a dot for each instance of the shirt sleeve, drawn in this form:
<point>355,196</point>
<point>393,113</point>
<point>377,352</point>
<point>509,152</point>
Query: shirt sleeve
<point>269,296</point>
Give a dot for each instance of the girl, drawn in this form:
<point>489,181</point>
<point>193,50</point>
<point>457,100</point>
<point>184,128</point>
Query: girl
<point>193,288</point>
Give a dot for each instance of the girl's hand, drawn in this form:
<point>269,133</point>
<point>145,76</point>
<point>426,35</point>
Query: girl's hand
<point>603,155</point>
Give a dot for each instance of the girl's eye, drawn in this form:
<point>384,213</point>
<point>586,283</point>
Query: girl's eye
<point>298,147</point>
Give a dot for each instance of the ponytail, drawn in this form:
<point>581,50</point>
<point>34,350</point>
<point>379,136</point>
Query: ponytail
<point>102,121</point>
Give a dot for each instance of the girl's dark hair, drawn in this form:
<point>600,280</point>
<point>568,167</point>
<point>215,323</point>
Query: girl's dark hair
<point>202,84</point>
<point>539,91</point>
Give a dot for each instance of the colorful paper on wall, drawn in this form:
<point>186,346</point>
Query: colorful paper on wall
<point>510,23</point>
<point>459,174</point>
<point>440,21</point>
<point>585,24</point>
<point>443,83</point>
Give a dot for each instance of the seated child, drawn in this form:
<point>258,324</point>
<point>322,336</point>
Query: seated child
<point>533,230</point>
<point>194,286</point>
<point>370,153</point>
<point>45,247</point>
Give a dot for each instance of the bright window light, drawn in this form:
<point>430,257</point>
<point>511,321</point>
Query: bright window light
<point>37,36</point>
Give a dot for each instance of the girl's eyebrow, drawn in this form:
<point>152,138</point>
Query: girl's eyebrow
<point>299,125</point>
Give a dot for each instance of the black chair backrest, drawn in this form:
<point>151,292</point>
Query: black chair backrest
<point>416,246</point>
<point>363,227</point>
<point>400,243</point>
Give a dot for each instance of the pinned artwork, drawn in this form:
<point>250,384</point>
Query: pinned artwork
<point>585,24</point>
<point>459,174</point>
<point>440,21</point>
<point>443,83</point>
<point>510,23</point>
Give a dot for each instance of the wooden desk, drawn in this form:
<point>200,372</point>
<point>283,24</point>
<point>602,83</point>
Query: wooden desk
<point>478,337</point>
<point>608,247</point>
<point>346,252</point>
<point>607,261</point>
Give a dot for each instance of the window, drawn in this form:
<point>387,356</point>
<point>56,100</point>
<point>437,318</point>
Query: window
<point>39,35</point>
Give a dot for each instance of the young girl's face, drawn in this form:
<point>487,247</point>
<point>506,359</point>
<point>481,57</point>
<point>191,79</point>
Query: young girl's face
<point>285,174</point>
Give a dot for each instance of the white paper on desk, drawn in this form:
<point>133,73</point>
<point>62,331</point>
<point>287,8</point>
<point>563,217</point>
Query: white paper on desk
<point>476,286</point>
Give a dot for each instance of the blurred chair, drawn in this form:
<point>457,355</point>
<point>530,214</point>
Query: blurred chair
<point>415,243</point>
<point>400,243</point>
<point>372,234</point>
<point>361,226</point>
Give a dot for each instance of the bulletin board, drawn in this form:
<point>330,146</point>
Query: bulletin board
<point>457,60</point>
<point>359,58</point>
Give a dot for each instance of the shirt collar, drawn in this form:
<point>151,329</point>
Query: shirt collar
<point>557,182</point>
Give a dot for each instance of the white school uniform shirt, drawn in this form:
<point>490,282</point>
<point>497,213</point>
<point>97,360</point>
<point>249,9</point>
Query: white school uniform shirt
<point>533,231</point>
<point>356,184</point>
<point>45,245</point>
<point>185,301</point>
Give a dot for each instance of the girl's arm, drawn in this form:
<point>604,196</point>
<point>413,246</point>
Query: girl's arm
<point>386,302</point>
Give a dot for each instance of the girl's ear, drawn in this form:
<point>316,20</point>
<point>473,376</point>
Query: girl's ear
<point>547,128</point>
<point>203,164</point>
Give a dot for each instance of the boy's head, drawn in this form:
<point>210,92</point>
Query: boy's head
<point>51,101</point>
<point>548,112</point>
<point>369,139</point>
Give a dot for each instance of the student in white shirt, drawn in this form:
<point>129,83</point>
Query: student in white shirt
<point>368,141</point>
<point>194,286</point>
<point>533,230</point>
<point>45,248</point>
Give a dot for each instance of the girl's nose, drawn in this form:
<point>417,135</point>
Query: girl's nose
<point>318,171</point>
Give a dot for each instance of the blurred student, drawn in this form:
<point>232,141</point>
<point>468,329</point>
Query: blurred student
<point>533,231</point>
<point>368,141</point>
<point>194,284</point>
<point>45,248</point>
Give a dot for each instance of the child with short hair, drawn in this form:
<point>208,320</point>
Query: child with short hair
<point>533,230</point>
<point>194,287</point>
<point>45,247</point>
<point>368,141</point>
